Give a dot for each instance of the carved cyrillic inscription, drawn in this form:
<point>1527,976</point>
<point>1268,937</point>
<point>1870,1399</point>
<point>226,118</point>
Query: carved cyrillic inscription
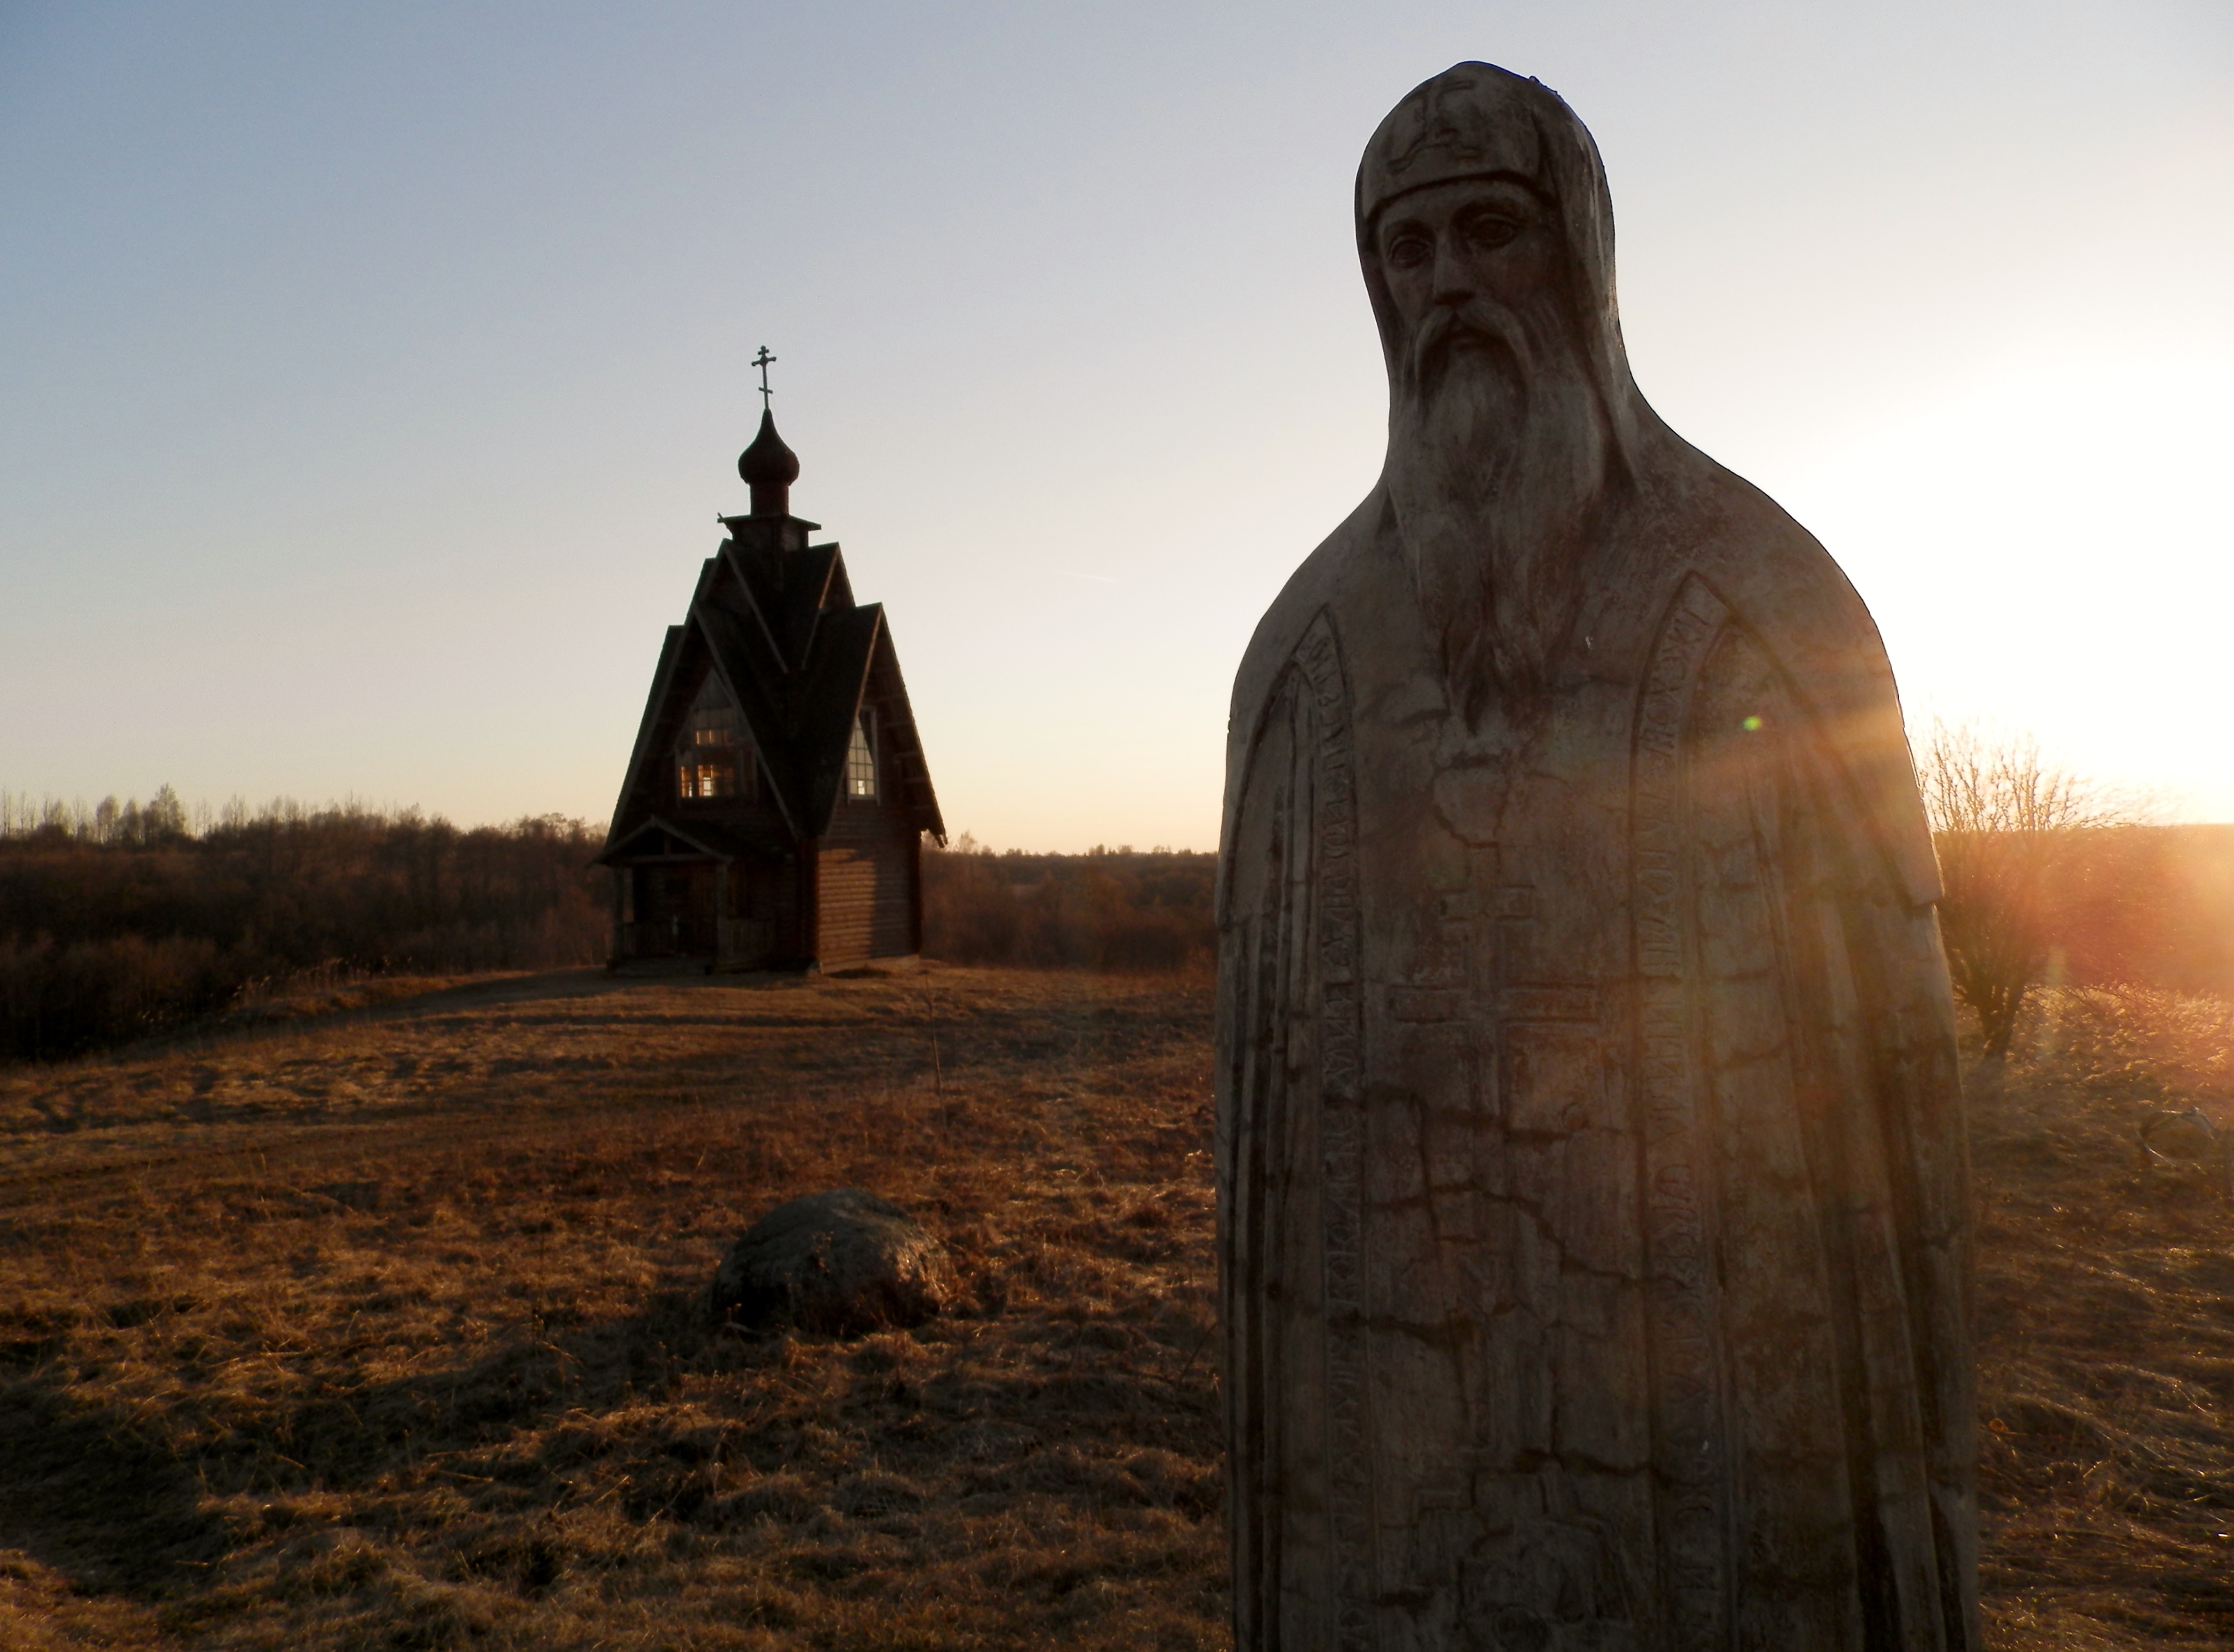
<point>1342,1134</point>
<point>1690,1450</point>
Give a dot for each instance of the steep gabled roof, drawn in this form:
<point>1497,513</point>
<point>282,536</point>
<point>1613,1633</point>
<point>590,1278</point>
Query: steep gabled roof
<point>775,619</point>
<point>754,678</point>
<point>634,781</point>
<point>900,755</point>
<point>836,676</point>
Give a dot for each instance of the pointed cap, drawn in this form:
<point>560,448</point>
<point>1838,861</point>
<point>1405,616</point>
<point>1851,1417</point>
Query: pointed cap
<point>769,468</point>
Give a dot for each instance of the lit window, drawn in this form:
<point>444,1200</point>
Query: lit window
<point>861,759</point>
<point>706,775</point>
<point>712,759</point>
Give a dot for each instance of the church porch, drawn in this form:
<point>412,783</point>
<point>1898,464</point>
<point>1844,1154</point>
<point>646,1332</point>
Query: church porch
<point>682,897</point>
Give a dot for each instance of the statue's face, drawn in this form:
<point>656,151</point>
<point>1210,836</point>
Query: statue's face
<point>1470,238</point>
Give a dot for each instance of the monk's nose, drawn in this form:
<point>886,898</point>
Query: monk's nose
<point>1454,278</point>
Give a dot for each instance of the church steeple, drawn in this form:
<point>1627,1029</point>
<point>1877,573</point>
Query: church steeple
<point>778,720</point>
<point>769,468</point>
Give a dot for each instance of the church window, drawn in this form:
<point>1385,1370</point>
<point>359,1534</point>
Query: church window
<point>713,759</point>
<point>862,757</point>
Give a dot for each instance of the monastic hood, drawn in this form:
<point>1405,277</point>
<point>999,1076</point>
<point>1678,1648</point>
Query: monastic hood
<point>1479,121</point>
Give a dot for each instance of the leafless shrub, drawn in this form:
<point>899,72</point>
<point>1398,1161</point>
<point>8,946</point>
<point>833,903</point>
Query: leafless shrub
<point>2010,829</point>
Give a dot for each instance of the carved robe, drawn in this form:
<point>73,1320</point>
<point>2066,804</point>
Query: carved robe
<point>1591,1178</point>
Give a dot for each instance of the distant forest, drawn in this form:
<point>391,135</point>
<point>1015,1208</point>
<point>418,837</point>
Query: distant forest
<point>121,920</point>
<point>118,921</point>
<point>1107,909</point>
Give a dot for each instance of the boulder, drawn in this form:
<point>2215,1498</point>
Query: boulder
<point>839,1263</point>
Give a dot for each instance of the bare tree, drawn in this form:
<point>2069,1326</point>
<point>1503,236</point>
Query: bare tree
<point>2009,828</point>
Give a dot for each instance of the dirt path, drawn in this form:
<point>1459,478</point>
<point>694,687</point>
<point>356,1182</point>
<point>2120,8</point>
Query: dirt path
<point>383,1329</point>
<point>512,1053</point>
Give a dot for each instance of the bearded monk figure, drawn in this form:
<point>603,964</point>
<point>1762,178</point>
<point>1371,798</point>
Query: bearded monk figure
<point>1591,1178</point>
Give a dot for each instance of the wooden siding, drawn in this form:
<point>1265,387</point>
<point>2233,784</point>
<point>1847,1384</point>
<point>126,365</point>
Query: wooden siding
<point>867,878</point>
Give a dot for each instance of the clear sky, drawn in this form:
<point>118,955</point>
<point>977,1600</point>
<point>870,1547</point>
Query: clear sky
<point>370,376</point>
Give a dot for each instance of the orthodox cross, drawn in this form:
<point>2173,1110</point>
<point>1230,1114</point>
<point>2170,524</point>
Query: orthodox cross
<point>761,361</point>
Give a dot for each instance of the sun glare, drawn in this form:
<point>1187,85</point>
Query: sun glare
<point>2050,549</point>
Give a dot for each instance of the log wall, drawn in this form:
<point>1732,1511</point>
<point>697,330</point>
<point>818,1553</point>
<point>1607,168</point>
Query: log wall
<point>867,876</point>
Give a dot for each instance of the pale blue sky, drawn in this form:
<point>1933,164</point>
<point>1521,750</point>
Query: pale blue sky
<point>370,376</point>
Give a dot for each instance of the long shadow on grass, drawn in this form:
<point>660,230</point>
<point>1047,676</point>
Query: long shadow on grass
<point>82,1492</point>
<point>112,1510</point>
<point>526,1418</point>
<point>443,1421</point>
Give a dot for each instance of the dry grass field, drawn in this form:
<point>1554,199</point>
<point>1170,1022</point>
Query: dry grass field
<point>384,1328</point>
<point>2105,1329</point>
<point>389,1331</point>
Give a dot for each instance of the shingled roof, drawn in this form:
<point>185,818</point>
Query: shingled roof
<point>775,619</point>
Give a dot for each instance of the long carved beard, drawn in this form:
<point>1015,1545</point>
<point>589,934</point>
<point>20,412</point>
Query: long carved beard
<point>1497,458</point>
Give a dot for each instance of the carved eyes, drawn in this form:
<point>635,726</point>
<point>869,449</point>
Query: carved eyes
<point>1483,230</point>
<point>1487,228</point>
<point>1408,249</point>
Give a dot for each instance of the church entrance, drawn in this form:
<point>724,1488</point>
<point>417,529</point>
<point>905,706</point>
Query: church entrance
<point>674,910</point>
<point>749,933</point>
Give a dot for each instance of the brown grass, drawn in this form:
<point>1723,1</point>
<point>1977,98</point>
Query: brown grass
<point>391,1333</point>
<point>384,1330</point>
<point>2106,1329</point>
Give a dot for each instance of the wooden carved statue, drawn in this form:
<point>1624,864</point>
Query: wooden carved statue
<point>1593,1224</point>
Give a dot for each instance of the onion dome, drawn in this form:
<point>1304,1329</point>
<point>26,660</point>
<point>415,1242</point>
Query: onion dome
<point>769,468</point>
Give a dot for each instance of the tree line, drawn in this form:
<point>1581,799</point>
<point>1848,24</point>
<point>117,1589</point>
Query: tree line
<point>1107,909</point>
<point>121,919</point>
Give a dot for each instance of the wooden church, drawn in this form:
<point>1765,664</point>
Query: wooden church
<point>773,811</point>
